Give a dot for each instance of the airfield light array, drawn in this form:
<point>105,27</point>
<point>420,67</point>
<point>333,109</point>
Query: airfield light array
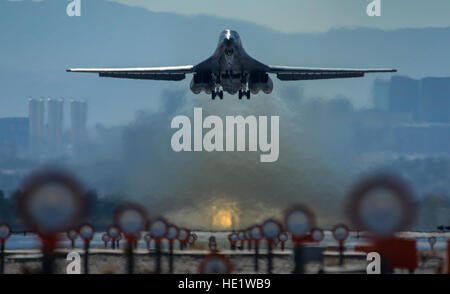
<point>53,202</point>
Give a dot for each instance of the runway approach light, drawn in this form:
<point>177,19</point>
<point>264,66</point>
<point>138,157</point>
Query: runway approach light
<point>131,220</point>
<point>448,257</point>
<point>72,235</point>
<point>248,237</point>
<point>299,221</point>
<point>119,238</point>
<point>317,235</point>
<point>106,239</point>
<point>271,228</point>
<point>283,237</point>
<point>233,238</point>
<point>242,238</point>
<point>5,232</point>
<point>212,243</point>
<point>382,205</point>
<point>147,240</point>
<point>52,202</point>
<point>172,233</point>
<point>276,241</point>
<point>183,236</point>
<point>114,233</point>
<point>340,233</point>
<point>432,241</point>
<point>158,229</point>
<point>256,233</point>
<point>86,232</point>
<point>192,238</point>
<point>215,264</point>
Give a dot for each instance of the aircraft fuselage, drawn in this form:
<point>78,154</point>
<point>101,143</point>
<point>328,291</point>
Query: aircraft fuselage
<point>231,69</point>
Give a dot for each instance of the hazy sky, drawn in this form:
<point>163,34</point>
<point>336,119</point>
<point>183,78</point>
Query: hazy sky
<point>97,38</point>
<point>311,15</point>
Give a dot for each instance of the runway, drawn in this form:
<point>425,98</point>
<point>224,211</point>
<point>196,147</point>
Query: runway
<point>320,258</point>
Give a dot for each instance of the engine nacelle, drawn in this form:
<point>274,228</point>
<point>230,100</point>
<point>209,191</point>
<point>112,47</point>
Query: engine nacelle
<point>202,82</point>
<point>260,82</point>
<point>268,87</point>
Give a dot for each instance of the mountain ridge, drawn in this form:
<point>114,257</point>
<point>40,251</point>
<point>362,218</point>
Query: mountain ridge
<point>40,42</point>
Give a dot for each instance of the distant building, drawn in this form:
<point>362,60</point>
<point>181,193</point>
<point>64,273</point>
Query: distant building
<point>11,179</point>
<point>425,100</point>
<point>380,96</point>
<point>416,120</point>
<point>14,133</point>
<point>78,117</point>
<point>36,108</point>
<point>435,94</point>
<point>422,138</point>
<point>55,126</point>
<point>405,96</point>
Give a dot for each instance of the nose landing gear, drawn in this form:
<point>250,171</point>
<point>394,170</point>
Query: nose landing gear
<point>244,93</point>
<point>217,93</point>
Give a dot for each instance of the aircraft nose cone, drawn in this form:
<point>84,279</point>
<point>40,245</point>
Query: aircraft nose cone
<point>229,42</point>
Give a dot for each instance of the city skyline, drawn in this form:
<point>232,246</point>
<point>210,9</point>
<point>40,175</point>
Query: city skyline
<point>47,127</point>
<point>162,39</point>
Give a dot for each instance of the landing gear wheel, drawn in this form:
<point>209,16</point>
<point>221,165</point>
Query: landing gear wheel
<point>240,94</point>
<point>213,95</point>
<point>221,95</point>
<point>248,95</point>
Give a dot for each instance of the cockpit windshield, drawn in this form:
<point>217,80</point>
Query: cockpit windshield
<point>229,35</point>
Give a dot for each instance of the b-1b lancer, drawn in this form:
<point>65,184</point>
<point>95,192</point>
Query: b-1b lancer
<point>230,69</point>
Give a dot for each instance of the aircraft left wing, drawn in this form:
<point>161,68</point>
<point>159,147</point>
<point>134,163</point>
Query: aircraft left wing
<point>169,73</point>
<point>286,73</point>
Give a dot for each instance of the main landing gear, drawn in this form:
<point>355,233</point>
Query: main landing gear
<point>244,93</point>
<point>217,93</point>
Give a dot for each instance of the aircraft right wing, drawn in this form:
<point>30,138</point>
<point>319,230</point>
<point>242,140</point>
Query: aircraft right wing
<point>286,73</point>
<point>170,73</point>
